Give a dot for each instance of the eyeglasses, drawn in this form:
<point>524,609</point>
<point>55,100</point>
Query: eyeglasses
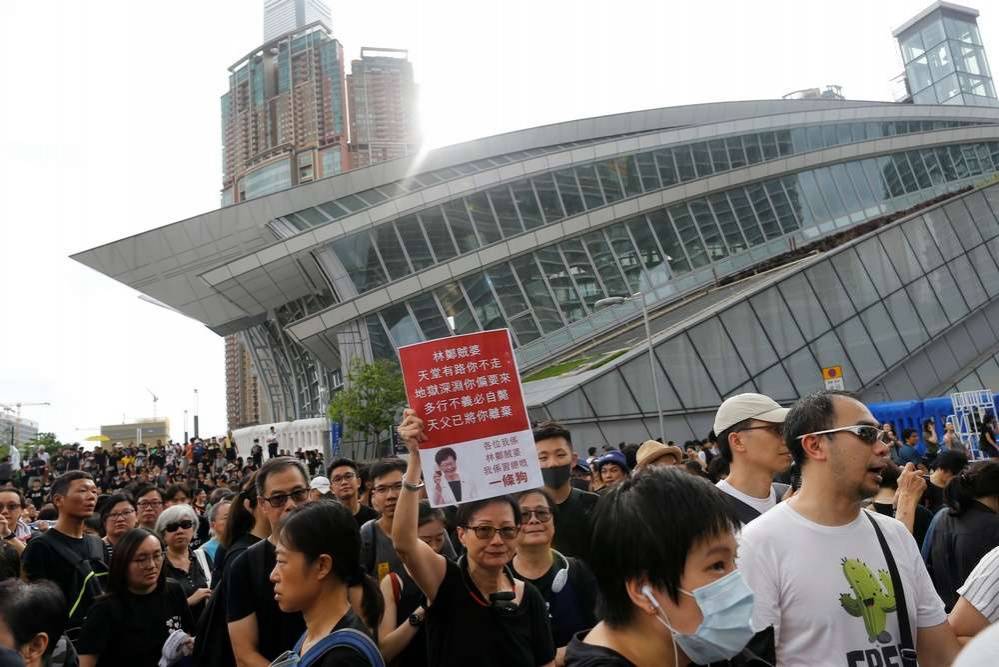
<point>11,507</point>
<point>146,561</point>
<point>279,500</point>
<point>488,532</point>
<point>346,477</point>
<point>186,524</point>
<point>773,428</point>
<point>542,515</point>
<point>868,434</point>
<point>121,515</point>
<point>385,488</point>
<point>150,504</point>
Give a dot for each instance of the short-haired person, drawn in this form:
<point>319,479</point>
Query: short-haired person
<point>32,619</point>
<point>218,515</point>
<point>556,457</point>
<point>612,468</point>
<point>13,530</point>
<point>898,497</point>
<point>318,561</point>
<point>907,452</point>
<point>149,503</point>
<point>142,608</point>
<point>118,516</point>
<point>566,583</point>
<point>946,466</point>
<point>177,526</point>
<point>665,601</point>
<point>448,488</point>
<point>478,614</point>
<point>176,494</point>
<point>64,551</point>
<point>258,629</point>
<point>822,580</point>
<point>749,430</point>
<point>378,555</point>
<point>345,483</point>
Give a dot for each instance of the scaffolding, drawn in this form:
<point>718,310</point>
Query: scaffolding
<point>971,410</point>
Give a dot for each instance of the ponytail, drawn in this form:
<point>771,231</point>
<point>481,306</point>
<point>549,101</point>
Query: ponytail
<point>241,520</point>
<point>372,604</point>
<point>979,480</point>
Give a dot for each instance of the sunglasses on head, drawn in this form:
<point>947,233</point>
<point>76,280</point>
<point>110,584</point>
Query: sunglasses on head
<point>176,525</point>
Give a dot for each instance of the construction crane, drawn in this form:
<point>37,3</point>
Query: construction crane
<point>155,400</point>
<point>16,409</point>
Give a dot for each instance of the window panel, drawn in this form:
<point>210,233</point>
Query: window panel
<point>736,154</point>
<point>957,158</point>
<point>922,243</point>
<point>919,169</point>
<point>524,329</point>
<point>627,256</point>
<point>461,224</point>
<point>506,212</point>
<point>718,355</point>
<point>966,214</point>
<point>912,47</point>
<point>667,169</point>
<point>561,284</point>
<point>684,163</point>
<point>401,327</point>
<point>831,296</point>
<point>593,196</point>
<point>891,176</point>
<point>905,171</point>
<point>727,222</point>
<point>609,397</point>
<point>645,242</point>
<point>572,200</point>
<point>507,289</point>
<point>702,159</point>
<point>606,264</point>
<point>663,229</point>
<point>637,374</point>
<point>414,242</point>
<point>360,260</point>
<point>775,383</point>
<point>627,170</point>
<point>719,155</point>
<point>754,154</point>
<point>985,267</point>
<point>438,234</point>
<point>610,181</point>
<point>774,211</point>
<point>708,228</point>
<point>900,254</point>
<point>784,147</point>
<point>527,204</point>
<point>805,306</point>
<point>971,159</point>
<point>851,202</point>
<point>687,374</point>
<point>775,318</point>
<point>685,228</point>
<point>844,133</point>
<point>863,355</point>
<point>745,217</point>
<point>582,271</point>
<point>537,293</point>
<point>942,232</point>
<point>879,266</point>
<point>947,292</point>
<point>853,274</point>
<point>946,164</point>
<point>875,178</point>
<point>933,168</point>
<point>457,313</point>
<point>390,251</point>
<point>934,318</point>
<point>829,352</point>
<point>804,372</point>
<point>381,346</point>
<point>647,170</point>
<point>428,316</point>
<point>749,338</point>
<point>551,205</point>
<point>481,297</point>
<point>886,338</point>
<point>829,192</point>
<point>967,277</point>
<point>963,31</point>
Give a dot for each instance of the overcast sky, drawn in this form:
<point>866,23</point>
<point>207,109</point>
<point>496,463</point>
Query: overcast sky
<point>110,125</point>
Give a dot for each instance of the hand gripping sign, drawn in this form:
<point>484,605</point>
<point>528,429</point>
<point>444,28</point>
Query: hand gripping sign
<point>467,391</point>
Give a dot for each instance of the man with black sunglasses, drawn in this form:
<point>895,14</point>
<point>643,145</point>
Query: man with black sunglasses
<point>833,583</point>
<point>749,428</point>
<point>259,630</point>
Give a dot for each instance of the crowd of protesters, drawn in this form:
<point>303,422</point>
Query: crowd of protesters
<point>808,535</point>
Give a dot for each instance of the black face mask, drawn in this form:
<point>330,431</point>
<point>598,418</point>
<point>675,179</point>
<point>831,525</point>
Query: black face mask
<point>555,478</point>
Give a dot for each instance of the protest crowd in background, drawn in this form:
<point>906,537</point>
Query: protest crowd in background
<point>804,536</point>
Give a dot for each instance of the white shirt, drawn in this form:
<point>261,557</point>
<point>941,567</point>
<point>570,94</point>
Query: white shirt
<point>826,589</point>
<point>981,588</point>
<point>761,505</point>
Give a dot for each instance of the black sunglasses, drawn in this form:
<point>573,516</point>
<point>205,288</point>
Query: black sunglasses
<point>281,499</point>
<point>175,525</point>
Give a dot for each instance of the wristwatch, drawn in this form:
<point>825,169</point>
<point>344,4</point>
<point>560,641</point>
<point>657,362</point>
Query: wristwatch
<point>409,486</point>
<point>416,619</point>
<point>10,537</point>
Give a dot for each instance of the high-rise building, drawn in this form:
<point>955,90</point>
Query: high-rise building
<point>241,385</point>
<point>382,102</point>
<point>944,58</point>
<point>284,117</point>
<point>16,430</point>
<point>283,16</point>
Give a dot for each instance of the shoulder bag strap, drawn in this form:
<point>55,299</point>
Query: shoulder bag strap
<point>908,652</point>
<point>349,637</point>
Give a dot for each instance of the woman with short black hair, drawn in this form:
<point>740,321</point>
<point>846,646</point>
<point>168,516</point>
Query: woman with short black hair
<point>32,619</point>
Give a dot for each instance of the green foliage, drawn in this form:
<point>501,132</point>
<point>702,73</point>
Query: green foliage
<point>48,441</point>
<point>368,405</point>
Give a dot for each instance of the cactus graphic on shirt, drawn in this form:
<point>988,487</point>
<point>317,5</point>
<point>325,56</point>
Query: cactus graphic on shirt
<point>872,599</point>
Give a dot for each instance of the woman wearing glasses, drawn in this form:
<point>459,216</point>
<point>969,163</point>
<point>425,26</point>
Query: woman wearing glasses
<point>566,583</point>
<point>176,526</point>
<point>130,624</point>
<point>118,517</point>
<point>478,613</point>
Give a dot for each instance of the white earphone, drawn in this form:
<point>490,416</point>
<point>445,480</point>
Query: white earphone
<point>562,576</point>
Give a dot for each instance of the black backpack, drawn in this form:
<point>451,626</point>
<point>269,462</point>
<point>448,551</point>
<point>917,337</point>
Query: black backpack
<point>89,582</point>
<point>211,643</point>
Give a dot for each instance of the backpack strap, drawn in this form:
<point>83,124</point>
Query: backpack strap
<point>349,637</point>
<point>369,542</point>
<point>84,566</point>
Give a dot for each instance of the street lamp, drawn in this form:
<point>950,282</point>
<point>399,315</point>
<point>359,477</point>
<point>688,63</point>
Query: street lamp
<point>616,300</point>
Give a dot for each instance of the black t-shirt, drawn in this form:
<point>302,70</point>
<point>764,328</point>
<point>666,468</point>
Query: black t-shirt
<point>130,629</point>
<point>573,608</point>
<point>37,497</point>
<point>574,524</point>
<point>250,591</point>
<point>578,654</point>
<point>40,560</point>
<point>920,522</point>
<point>189,581</point>
<point>933,497</point>
<point>364,515</point>
<point>345,656</point>
<point>460,631</point>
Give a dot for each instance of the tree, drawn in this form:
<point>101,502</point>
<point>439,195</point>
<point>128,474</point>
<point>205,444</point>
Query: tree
<point>47,441</point>
<point>368,405</point>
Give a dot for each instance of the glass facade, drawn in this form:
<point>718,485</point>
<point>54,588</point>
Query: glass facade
<point>555,286</point>
<point>945,61</point>
<point>268,179</point>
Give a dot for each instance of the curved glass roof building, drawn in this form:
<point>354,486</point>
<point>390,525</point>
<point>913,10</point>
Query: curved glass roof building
<point>699,208</point>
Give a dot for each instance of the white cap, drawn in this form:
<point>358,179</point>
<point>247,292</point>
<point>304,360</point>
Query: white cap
<point>320,484</point>
<point>748,406</point>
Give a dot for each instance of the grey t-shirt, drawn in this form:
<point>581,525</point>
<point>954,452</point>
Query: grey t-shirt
<point>378,556</point>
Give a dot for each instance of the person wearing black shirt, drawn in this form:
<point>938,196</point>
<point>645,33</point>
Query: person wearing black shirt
<point>318,560</point>
<point>176,526</point>
<point>345,483</point>
<point>947,465</point>
<point>903,506</point>
<point>566,583</point>
<point>36,494</point>
<point>573,523</point>
<point>259,630</point>
<point>142,609</point>
<point>32,619</point>
<point>479,613</point>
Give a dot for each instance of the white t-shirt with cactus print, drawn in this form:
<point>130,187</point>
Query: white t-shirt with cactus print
<point>827,592</point>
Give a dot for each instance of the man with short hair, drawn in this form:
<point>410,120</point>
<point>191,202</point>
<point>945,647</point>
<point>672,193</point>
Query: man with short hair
<point>749,440</point>
<point>13,531</point>
<point>345,483</point>
<point>272,444</point>
<point>907,453</point>
<point>64,554</point>
<point>835,584</point>
<point>948,464</point>
<point>378,555</point>
<point>573,526</point>
<point>149,502</point>
<point>258,629</point>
